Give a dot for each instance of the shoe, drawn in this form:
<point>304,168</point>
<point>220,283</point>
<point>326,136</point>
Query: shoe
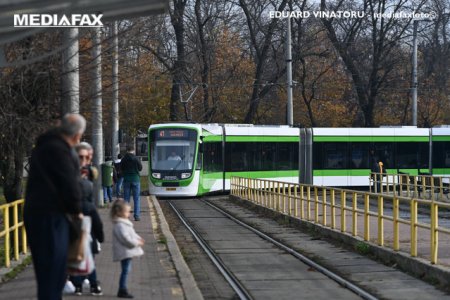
<point>69,288</point>
<point>137,218</point>
<point>124,294</point>
<point>78,290</point>
<point>96,290</point>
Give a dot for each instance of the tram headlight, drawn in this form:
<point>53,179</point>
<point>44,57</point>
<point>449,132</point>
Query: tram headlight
<point>185,175</point>
<point>156,175</point>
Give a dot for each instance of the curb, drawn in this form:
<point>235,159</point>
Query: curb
<point>16,267</point>
<point>190,288</point>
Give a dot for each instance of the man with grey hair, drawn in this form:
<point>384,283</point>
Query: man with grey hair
<point>53,192</point>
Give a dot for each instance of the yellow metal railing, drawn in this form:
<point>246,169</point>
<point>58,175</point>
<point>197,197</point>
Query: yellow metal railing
<point>368,212</point>
<point>418,186</point>
<point>10,230</point>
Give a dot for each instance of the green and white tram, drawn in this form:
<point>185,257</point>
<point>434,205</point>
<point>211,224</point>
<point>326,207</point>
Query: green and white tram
<point>207,155</point>
<point>195,159</point>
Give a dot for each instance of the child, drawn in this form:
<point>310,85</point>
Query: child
<point>126,243</point>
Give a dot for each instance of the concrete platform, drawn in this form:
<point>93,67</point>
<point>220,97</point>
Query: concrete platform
<point>159,274</point>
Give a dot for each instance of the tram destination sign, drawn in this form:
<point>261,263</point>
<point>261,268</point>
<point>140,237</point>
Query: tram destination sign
<point>172,133</point>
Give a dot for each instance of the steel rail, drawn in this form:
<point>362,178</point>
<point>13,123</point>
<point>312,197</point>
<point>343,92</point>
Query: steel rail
<point>229,276</point>
<point>345,283</point>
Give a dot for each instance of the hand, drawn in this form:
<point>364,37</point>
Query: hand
<point>141,242</point>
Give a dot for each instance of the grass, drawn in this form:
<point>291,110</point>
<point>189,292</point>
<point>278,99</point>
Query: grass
<point>13,273</point>
<point>362,248</point>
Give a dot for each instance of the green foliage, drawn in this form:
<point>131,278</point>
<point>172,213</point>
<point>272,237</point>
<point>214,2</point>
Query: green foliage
<point>362,248</point>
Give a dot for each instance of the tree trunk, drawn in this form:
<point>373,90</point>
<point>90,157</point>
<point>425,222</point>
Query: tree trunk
<point>179,67</point>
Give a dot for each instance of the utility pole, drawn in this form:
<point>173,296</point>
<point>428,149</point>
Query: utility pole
<point>115,101</point>
<point>97,130</point>
<point>414,75</point>
<point>70,80</point>
<point>289,108</point>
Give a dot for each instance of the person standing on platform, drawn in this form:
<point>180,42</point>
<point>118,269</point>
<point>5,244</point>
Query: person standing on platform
<point>88,209</point>
<point>52,193</point>
<point>126,243</point>
<point>376,166</point>
<point>107,180</point>
<point>131,166</point>
<point>91,170</point>
<point>119,182</point>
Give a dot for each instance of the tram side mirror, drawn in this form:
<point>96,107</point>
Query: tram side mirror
<point>200,146</point>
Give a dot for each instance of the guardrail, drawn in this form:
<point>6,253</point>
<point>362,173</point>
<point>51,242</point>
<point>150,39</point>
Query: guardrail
<point>333,207</point>
<point>9,230</point>
<point>420,186</point>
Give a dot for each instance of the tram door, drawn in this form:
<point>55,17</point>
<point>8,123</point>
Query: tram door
<point>305,156</point>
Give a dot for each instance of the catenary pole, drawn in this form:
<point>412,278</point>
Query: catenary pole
<point>70,80</point>
<point>115,101</point>
<point>414,75</point>
<point>289,109</point>
<point>97,130</point>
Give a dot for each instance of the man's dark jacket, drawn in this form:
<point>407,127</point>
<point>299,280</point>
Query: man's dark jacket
<point>130,165</point>
<point>54,179</point>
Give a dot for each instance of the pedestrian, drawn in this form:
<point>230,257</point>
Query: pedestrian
<point>52,193</point>
<point>91,169</point>
<point>130,166</point>
<point>88,209</point>
<point>126,243</point>
<point>376,167</point>
<point>107,179</point>
<point>119,182</point>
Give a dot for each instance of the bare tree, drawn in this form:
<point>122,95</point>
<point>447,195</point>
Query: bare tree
<point>28,105</point>
<point>368,46</point>
<point>261,33</point>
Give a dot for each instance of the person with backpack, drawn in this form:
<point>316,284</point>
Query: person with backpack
<point>108,179</point>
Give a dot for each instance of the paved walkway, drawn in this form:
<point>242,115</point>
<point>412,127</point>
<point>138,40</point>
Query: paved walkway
<point>153,276</point>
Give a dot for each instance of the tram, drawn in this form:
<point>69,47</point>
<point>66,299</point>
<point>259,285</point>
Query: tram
<point>196,159</point>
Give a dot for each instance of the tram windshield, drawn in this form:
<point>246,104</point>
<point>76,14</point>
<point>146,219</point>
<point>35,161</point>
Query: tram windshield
<point>173,149</point>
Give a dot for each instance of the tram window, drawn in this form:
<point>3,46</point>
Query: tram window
<point>267,156</point>
<point>261,156</point>
<point>441,154</point>
<point>212,157</point>
<point>334,155</point>
<point>359,155</point>
<point>412,155</point>
<point>287,156</point>
<point>317,156</point>
<point>253,156</point>
<point>236,157</point>
<point>385,151</point>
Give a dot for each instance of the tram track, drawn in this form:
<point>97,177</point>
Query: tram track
<point>233,274</point>
<point>227,274</point>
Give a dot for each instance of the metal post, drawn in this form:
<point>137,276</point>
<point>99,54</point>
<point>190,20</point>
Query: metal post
<point>115,148</point>
<point>97,130</point>
<point>289,109</point>
<point>70,80</point>
<point>414,75</point>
